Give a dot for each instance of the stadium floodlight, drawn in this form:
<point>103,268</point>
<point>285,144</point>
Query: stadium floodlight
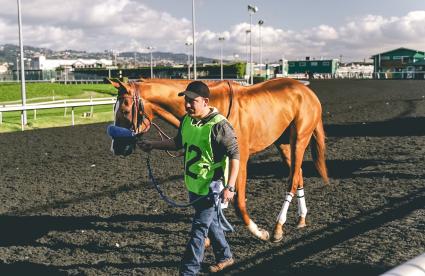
<point>221,39</point>
<point>188,44</point>
<point>260,23</point>
<point>251,10</point>
<point>150,48</point>
<point>21,50</point>
<point>193,40</point>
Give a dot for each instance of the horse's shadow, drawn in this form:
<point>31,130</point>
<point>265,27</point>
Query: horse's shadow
<point>25,230</point>
<point>340,169</point>
<point>394,127</point>
<point>274,260</point>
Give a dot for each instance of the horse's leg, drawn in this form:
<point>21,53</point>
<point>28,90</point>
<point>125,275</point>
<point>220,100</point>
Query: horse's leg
<point>285,153</point>
<point>240,202</point>
<point>298,142</point>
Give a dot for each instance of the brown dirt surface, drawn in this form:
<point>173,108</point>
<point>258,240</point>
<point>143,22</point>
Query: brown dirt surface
<point>69,207</point>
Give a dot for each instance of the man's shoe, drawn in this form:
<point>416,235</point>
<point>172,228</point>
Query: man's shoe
<point>221,265</point>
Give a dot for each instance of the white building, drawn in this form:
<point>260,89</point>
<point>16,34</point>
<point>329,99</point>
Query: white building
<point>4,67</point>
<point>354,71</point>
<point>42,63</point>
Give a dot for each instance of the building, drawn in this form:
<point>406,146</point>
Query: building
<point>42,63</point>
<point>393,64</point>
<point>355,70</point>
<point>4,67</point>
<point>313,68</point>
<point>416,70</point>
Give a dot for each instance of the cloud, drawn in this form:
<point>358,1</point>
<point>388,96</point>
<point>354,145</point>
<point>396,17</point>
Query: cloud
<point>128,25</point>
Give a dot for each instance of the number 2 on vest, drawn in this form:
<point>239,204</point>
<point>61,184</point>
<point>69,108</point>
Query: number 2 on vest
<point>193,160</point>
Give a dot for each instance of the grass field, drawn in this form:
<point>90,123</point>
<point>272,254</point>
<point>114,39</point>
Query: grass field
<point>10,93</point>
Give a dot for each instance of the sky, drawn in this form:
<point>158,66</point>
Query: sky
<point>292,29</point>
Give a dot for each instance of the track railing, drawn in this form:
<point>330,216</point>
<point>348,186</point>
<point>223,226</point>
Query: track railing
<point>69,103</point>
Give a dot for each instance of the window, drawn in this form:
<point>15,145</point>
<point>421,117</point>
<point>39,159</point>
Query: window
<point>303,64</point>
<point>325,63</point>
<point>291,64</point>
<point>314,63</point>
<point>385,57</point>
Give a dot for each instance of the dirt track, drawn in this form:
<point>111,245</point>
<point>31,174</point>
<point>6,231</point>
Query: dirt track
<point>69,207</point>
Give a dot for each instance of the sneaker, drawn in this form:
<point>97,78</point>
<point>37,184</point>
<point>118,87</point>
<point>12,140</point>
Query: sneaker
<point>221,265</point>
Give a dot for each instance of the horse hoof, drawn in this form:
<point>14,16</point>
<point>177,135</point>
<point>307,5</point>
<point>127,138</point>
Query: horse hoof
<point>277,239</point>
<point>301,223</point>
<point>278,233</point>
<point>265,236</point>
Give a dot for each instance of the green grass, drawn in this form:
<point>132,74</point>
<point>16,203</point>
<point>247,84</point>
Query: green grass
<point>45,118</point>
<point>39,91</point>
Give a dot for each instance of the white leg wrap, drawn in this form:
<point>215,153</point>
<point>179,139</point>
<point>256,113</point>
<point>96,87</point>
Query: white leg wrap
<point>282,215</point>
<point>302,207</point>
<point>253,228</point>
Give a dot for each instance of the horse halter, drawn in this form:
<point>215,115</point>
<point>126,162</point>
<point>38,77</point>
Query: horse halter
<point>138,114</point>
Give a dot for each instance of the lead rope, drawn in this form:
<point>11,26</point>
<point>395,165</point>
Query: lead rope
<point>223,222</point>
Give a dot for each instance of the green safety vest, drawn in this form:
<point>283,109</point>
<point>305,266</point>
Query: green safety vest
<point>199,162</point>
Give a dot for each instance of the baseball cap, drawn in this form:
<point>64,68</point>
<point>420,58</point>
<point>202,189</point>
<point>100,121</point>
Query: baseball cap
<point>196,89</point>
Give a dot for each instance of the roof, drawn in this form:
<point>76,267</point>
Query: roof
<point>418,63</point>
<point>401,48</point>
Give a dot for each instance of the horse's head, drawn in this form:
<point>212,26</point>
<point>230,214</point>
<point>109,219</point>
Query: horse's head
<point>131,114</point>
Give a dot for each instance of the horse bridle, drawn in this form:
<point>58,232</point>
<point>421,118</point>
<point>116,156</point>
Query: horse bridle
<point>138,114</point>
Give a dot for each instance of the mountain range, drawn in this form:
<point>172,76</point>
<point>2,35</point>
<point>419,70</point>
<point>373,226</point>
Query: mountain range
<point>9,54</point>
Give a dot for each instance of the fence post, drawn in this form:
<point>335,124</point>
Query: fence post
<point>64,114</point>
<point>72,116</point>
<point>91,107</point>
<point>22,120</point>
<point>35,114</point>
<point>1,118</point>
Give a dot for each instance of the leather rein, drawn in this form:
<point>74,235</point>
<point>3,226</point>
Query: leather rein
<point>139,116</point>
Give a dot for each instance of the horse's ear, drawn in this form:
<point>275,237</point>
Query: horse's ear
<point>115,82</point>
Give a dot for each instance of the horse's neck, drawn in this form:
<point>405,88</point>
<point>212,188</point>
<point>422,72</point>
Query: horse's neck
<point>221,97</point>
<point>165,102</point>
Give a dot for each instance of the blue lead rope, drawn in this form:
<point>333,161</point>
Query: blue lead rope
<point>224,223</point>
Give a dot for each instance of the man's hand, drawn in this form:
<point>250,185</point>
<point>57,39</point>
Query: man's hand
<point>227,195</point>
<point>145,145</point>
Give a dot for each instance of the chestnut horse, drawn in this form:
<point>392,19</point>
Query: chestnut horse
<point>283,112</point>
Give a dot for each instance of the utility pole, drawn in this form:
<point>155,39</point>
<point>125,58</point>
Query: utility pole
<point>251,11</point>
<point>194,40</point>
<point>21,49</point>
<point>221,39</point>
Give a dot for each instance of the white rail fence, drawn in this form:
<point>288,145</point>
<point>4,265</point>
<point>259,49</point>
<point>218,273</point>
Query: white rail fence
<point>66,103</point>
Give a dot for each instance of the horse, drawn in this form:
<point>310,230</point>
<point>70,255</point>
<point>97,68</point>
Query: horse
<point>282,111</point>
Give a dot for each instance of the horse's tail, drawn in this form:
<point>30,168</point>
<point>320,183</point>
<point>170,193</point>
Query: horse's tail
<point>318,150</point>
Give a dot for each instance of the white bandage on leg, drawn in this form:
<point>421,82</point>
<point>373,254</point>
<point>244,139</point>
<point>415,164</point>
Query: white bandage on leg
<point>302,207</point>
<point>282,215</point>
<point>253,228</point>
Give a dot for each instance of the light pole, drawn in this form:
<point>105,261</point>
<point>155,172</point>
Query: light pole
<point>221,39</point>
<point>247,45</point>
<point>194,40</point>
<point>260,23</point>
<point>188,59</point>
<point>150,48</point>
<point>21,49</point>
<point>251,11</point>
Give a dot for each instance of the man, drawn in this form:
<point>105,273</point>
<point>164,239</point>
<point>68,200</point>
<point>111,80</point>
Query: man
<point>210,148</point>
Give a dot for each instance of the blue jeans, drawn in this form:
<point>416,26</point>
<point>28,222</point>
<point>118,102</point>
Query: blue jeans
<point>205,223</point>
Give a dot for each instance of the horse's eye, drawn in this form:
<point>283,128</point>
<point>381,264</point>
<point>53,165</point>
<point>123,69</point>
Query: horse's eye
<point>125,112</point>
